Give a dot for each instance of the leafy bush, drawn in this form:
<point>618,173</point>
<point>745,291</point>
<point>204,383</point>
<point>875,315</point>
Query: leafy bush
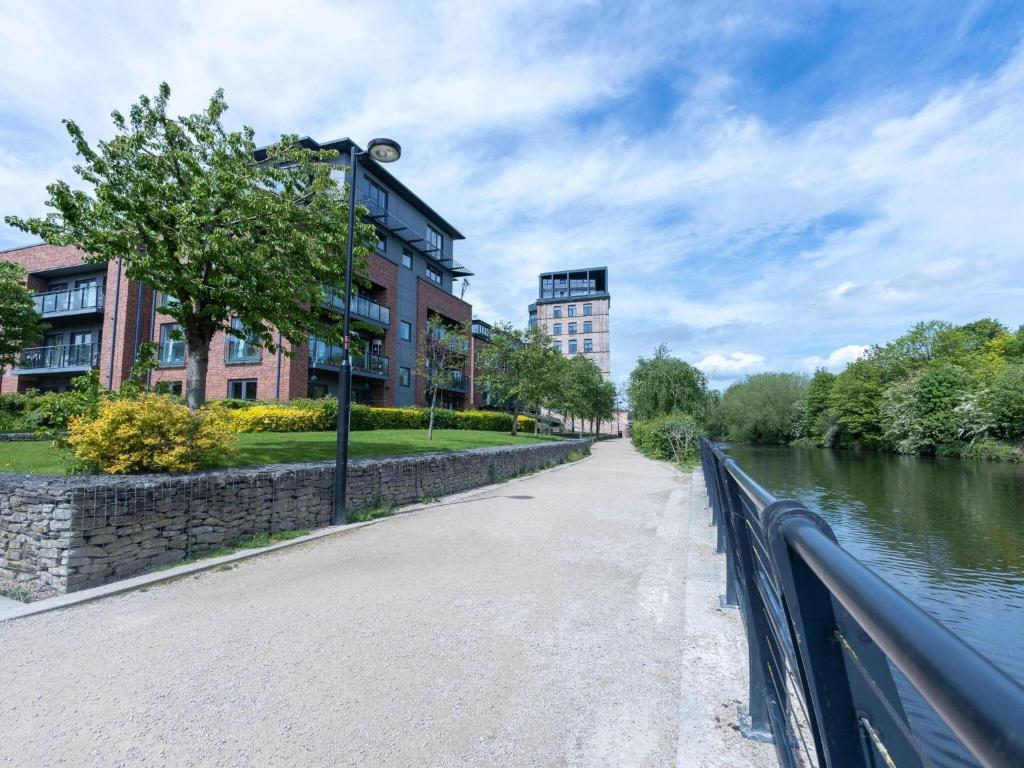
<point>765,408</point>
<point>1008,401</point>
<point>152,433</point>
<point>275,418</point>
<point>673,437</point>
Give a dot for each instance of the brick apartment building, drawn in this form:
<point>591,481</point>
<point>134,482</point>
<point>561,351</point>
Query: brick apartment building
<point>573,306</point>
<point>98,318</point>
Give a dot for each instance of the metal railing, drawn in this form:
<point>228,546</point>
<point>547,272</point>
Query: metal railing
<point>60,356</point>
<point>329,356</point>
<point>822,630</point>
<point>69,300</point>
<point>367,309</point>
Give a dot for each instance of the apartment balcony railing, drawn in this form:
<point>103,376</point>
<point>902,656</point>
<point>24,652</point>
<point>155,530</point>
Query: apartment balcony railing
<point>64,357</point>
<point>170,354</point>
<point>364,308</point>
<point>77,300</point>
<point>324,355</point>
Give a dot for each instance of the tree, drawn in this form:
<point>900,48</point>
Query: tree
<point>440,358</point>
<point>581,390</point>
<point>855,403</point>
<point>186,206</point>
<point>520,367</point>
<point>816,419</point>
<point>20,325</point>
<point>663,384</point>
<point>763,408</point>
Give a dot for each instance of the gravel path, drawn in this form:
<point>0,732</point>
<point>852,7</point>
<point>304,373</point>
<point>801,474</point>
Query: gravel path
<point>565,619</point>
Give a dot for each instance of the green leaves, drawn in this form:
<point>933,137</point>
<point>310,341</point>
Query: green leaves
<point>192,213</point>
<point>664,384</point>
<point>20,326</point>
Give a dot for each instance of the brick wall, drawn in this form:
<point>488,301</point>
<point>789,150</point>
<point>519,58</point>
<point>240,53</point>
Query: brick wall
<point>429,299</point>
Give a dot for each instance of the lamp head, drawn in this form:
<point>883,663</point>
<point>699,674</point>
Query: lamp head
<point>384,150</point>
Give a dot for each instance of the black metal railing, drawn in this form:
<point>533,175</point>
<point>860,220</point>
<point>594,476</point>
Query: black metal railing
<point>329,356</point>
<point>365,308</point>
<point>822,631</point>
<point>86,297</point>
<point>69,356</point>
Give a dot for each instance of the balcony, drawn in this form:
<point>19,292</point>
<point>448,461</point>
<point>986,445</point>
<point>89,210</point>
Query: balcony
<point>364,309</point>
<point>73,301</point>
<point>380,216</point>
<point>64,358</point>
<point>459,382</point>
<point>324,355</point>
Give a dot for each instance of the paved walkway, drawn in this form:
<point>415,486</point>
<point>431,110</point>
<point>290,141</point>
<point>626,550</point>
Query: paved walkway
<point>565,619</point>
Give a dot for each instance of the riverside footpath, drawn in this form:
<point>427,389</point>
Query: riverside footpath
<point>569,618</point>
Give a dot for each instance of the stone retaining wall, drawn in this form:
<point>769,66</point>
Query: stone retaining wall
<point>17,437</point>
<point>62,534</point>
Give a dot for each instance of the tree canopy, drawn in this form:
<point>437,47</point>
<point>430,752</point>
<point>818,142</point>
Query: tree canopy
<point>189,210</point>
<point>20,326</point>
<point>663,384</point>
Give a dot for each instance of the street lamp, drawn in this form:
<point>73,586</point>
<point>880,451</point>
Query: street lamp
<point>383,151</point>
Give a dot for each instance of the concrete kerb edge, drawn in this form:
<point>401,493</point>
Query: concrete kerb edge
<point>148,579</point>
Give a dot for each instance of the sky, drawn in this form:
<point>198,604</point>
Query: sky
<point>773,185</point>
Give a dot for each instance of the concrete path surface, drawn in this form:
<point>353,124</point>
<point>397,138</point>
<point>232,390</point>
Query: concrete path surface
<point>565,619</point>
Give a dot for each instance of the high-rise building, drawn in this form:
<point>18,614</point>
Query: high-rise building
<point>572,305</point>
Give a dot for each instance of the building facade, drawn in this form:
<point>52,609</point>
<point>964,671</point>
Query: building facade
<point>98,318</point>
<point>573,305</point>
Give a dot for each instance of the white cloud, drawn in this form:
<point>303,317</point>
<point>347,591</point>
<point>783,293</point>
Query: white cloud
<point>717,363</point>
<point>837,358</point>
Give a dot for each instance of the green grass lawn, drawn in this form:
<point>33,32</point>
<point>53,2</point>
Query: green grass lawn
<point>39,458</point>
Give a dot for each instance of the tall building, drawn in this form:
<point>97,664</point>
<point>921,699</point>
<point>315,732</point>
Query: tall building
<point>98,317</point>
<point>572,305</point>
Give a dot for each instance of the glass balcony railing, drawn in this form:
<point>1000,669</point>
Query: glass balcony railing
<point>329,356</point>
<point>88,297</point>
<point>365,308</point>
<point>63,356</point>
<point>170,353</point>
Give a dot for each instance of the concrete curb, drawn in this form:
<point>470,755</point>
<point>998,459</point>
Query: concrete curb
<point>171,574</point>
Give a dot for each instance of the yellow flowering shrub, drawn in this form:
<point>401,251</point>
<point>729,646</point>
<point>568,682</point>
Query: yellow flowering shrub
<point>153,433</point>
<point>275,418</point>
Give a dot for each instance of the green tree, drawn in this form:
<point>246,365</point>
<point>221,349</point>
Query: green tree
<point>855,403</point>
<point>20,325</point>
<point>440,358</point>
<point>521,368</point>
<point>664,384</point>
<point>816,415</point>
<point>940,389</point>
<point>1008,402</point>
<point>185,205</point>
<point>764,408</point>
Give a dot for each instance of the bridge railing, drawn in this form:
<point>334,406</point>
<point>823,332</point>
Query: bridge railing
<point>822,630</point>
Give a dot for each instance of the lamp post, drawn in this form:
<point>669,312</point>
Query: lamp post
<point>383,151</point>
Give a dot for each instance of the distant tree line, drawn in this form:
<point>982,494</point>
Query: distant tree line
<point>939,389</point>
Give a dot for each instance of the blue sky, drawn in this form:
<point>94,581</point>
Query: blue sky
<point>773,185</point>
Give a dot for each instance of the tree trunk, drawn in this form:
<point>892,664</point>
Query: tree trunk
<point>433,402</point>
<point>198,361</point>
<point>515,421</point>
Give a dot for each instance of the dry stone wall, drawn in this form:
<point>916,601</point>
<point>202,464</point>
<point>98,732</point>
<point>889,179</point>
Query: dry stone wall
<point>62,534</point>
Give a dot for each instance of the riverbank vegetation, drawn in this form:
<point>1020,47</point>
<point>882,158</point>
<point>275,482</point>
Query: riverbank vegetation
<point>939,389</point>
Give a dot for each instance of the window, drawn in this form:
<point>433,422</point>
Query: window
<point>588,345</point>
<point>557,312</point>
<point>557,345</point>
<point>572,328</point>
<point>404,376</point>
<point>407,258</point>
<point>434,275</point>
<point>169,388</point>
<point>242,389</point>
<point>557,330</point>
<point>572,346</point>
<point>588,309</point>
<point>572,310</point>
<point>376,194</point>
<point>171,350</point>
<point>435,240</point>
<point>166,300</point>
<point>382,242</point>
<point>588,326</point>
<point>245,350</point>
<point>405,330</point>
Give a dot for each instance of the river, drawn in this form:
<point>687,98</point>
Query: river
<point>948,533</point>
